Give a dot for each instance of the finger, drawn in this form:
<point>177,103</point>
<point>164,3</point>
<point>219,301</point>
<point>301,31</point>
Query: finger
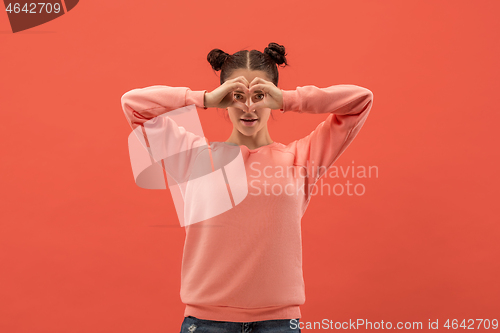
<point>258,80</point>
<point>263,87</point>
<point>246,81</point>
<point>242,87</point>
<point>227,100</point>
<point>258,105</point>
<point>243,80</point>
<point>236,86</point>
<point>239,105</point>
<point>240,79</point>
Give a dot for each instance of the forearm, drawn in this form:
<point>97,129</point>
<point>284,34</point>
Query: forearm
<point>142,104</point>
<point>341,99</point>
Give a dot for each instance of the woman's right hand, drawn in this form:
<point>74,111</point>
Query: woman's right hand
<point>222,96</point>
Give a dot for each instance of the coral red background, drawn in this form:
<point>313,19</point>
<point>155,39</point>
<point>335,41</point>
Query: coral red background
<point>83,249</point>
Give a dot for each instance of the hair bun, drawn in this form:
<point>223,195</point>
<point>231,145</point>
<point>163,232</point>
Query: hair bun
<point>216,58</point>
<point>276,52</point>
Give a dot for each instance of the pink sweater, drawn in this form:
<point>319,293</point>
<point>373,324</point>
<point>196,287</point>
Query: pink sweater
<point>245,265</point>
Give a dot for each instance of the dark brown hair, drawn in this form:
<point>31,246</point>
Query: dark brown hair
<point>254,60</point>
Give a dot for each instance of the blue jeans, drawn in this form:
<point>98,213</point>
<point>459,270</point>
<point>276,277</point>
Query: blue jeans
<point>195,325</point>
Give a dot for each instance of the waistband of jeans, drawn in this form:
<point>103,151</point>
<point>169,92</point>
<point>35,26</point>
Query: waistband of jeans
<point>244,315</point>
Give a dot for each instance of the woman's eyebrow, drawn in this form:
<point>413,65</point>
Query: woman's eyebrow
<point>241,92</point>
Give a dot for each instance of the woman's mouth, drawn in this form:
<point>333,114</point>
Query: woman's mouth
<point>248,122</point>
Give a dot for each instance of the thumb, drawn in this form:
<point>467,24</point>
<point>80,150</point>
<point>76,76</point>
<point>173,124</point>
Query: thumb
<point>257,105</point>
<point>240,105</point>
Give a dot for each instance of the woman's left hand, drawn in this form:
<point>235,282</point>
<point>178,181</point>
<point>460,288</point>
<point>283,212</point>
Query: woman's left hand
<point>273,97</point>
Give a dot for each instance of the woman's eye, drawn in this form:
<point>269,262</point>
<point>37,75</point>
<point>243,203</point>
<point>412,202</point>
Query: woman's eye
<point>259,97</point>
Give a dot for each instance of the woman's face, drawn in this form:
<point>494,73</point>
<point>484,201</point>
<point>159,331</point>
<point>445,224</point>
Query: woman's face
<point>236,114</point>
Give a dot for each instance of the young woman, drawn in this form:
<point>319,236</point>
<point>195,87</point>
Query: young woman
<point>242,269</point>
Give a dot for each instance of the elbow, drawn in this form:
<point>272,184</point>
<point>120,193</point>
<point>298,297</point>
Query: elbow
<point>366,101</point>
<point>368,95</point>
<point>362,97</point>
<point>126,102</point>
<point>363,102</point>
<point>127,97</point>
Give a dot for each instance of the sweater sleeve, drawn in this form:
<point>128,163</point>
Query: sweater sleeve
<point>348,107</point>
<point>143,104</point>
<point>158,139</point>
